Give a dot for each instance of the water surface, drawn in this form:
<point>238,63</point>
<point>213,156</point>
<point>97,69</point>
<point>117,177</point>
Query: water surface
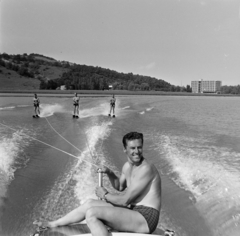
<point>46,170</point>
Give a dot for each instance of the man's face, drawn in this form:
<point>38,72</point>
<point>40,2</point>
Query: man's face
<point>134,150</point>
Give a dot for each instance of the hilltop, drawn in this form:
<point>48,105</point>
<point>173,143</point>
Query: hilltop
<point>26,72</point>
<point>35,71</point>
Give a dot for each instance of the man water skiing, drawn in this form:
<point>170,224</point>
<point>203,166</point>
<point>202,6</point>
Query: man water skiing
<point>75,106</point>
<point>36,104</point>
<point>136,210</point>
<point>112,106</point>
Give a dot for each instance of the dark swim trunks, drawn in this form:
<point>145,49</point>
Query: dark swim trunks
<point>150,214</point>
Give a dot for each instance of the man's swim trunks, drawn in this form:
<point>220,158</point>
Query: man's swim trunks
<point>150,214</point>
<point>76,101</point>
<point>36,102</point>
<point>112,102</point>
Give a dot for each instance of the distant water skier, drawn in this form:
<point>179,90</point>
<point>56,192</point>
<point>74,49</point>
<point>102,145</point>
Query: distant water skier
<point>76,106</point>
<point>112,105</point>
<point>36,104</point>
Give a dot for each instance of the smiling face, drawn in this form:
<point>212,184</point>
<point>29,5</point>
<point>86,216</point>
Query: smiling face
<point>134,150</point>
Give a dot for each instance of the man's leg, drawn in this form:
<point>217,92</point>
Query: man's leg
<point>120,219</point>
<point>74,110</point>
<point>75,216</point>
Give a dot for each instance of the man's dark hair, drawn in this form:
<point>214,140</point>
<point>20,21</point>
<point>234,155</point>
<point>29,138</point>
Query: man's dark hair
<point>131,136</point>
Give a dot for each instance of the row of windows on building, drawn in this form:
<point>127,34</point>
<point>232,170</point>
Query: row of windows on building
<point>206,86</point>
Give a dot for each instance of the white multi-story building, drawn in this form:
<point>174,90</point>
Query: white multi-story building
<point>206,86</point>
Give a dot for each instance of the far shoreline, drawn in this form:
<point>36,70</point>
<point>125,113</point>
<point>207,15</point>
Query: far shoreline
<point>102,93</point>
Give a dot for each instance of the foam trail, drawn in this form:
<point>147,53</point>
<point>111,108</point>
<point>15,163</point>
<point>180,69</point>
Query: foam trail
<point>23,105</point>
<point>142,112</point>
<point>125,107</point>
<point>200,171</point>
<point>205,172</point>
<point>10,148</point>
<point>9,151</point>
<point>79,183</point>
<point>103,109</point>
<point>48,110</point>
<point>94,135</point>
<point>7,108</point>
<point>149,109</point>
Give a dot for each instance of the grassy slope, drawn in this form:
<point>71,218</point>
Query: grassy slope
<point>52,72</point>
<point>10,80</point>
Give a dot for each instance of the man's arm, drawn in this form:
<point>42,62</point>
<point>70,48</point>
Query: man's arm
<point>119,183</point>
<point>137,188</point>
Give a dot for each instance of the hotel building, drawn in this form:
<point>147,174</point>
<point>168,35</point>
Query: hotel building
<point>206,86</point>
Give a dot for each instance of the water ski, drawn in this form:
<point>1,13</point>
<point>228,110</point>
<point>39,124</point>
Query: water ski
<point>73,116</point>
<point>35,116</point>
<point>76,229</point>
<point>82,229</point>
<point>76,117</point>
<point>113,116</point>
<point>109,115</point>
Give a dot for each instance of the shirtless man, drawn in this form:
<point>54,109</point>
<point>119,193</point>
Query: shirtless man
<point>36,104</point>
<point>75,106</point>
<point>136,210</point>
<point>112,106</point>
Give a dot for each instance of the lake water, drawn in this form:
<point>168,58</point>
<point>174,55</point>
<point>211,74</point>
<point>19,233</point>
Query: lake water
<point>46,170</point>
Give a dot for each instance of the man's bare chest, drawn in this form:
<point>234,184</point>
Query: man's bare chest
<point>130,176</point>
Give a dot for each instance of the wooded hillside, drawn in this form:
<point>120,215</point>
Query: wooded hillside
<point>51,74</point>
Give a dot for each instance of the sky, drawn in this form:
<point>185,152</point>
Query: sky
<point>175,40</point>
